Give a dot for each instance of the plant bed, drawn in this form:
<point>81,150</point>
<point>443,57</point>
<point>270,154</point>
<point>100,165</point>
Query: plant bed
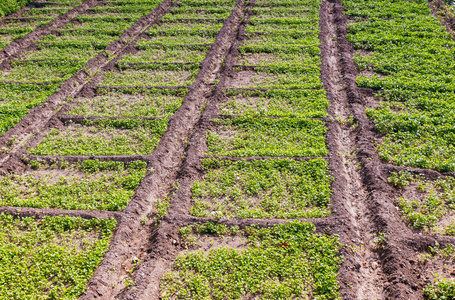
<point>166,55</point>
<point>149,78</point>
<point>276,103</point>
<point>407,57</point>
<point>296,78</point>
<point>138,103</point>
<point>103,137</point>
<point>89,185</point>
<point>249,136</point>
<point>283,262</point>
<point>284,189</point>
<point>50,258</point>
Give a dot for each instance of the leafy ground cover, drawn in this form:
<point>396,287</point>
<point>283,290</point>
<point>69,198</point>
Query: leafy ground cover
<point>149,78</point>
<point>17,99</point>
<point>60,54</point>
<point>129,103</point>
<point>411,57</point>
<point>251,136</point>
<point>283,262</point>
<point>90,185</point>
<point>263,189</point>
<point>10,7</point>
<point>276,103</point>
<point>104,137</point>
<point>432,206</point>
<point>50,258</point>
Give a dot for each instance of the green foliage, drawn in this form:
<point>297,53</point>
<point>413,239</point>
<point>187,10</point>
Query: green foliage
<point>11,6</point>
<point>436,200</point>
<point>412,57</point>
<point>50,258</point>
<point>90,185</point>
<point>283,262</point>
<point>140,104</point>
<point>277,103</point>
<point>263,189</point>
<point>443,289</point>
<point>149,78</point>
<point>104,137</point>
<point>401,179</point>
<point>251,136</point>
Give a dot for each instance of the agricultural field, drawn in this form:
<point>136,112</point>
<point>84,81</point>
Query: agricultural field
<point>227,149</point>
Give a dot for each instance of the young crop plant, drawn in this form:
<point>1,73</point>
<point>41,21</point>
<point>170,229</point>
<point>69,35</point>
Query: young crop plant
<point>284,189</point>
<point>50,258</point>
<point>276,103</point>
<point>287,261</point>
<point>104,137</point>
<point>411,56</point>
<point>250,136</point>
<point>136,103</point>
<point>90,185</point>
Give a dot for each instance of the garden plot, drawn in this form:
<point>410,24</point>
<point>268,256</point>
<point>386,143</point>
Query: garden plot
<point>129,103</point>
<point>89,185</point>
<point>296,78</point>
<point>17,99</point>
<point>13,29</point>
<point>283,262</point>
<point>276,103</point>
<point>284,189</point>
<point>103,137</point>
<point>426,204</point>
<point>411,58</point>
<point>149,78</point>
<point>52,257</point>
<point>59,56</point>
<point>250,136</point>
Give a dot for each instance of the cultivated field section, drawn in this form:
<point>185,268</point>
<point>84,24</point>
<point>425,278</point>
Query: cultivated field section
<point>227,149</point>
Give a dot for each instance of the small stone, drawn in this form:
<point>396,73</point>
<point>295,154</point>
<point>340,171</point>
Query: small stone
<point>374,265</point>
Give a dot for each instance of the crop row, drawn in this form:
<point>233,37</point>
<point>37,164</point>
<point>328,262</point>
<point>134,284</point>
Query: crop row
<point>412,60</point>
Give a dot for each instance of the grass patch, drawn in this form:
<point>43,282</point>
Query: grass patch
<point>249,136</point>
<point>103,137</point>
<point>90,185</point>
<point>283,262</point>
<point>283,189</point>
